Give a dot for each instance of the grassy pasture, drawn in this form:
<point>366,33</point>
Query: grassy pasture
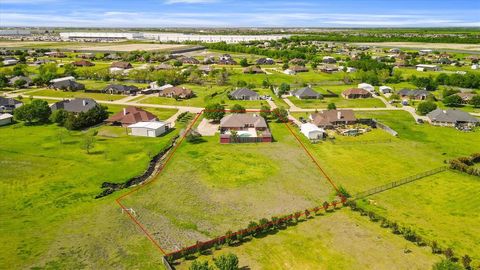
<point>342,240</point>
<point>76,94</point>
<point>50,217</point>
<point>209,188</point>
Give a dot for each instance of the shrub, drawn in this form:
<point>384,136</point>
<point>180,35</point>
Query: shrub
<point>426,107</point>
<point>446,265</point>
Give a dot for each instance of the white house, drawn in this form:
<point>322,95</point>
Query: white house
<point>289,72</point>
<point>9,61</point>
<point>148,129</point>
<point>155,88</point>
<point>425,52</point>
<point>5,119</point>
<point>475,66</point>
<point>385,89</point>
<point>351,69</point>
<point>366,86</point>
<point>69,78</point>
<point>424,67</point>
<point>312,132</point>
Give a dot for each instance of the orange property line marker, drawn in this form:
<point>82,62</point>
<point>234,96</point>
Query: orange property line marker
<point>142,227</point>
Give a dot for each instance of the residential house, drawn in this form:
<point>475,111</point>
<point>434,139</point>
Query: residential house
<point>333,118</point>
<point>425,52</point>
<point>385,89</point>
<point>354,93</point>
<point>227,61</point>
<point>329,60</point>
<point>131,115</point>
<point>148,129</point>
<point>189,60</point>
<point>176,92</point>
<point>367,87</point>
<point>76,105</point>
<point>312,132</point>
<point>67,85</point>
<point>289,72</point>
<point>475,66</point>
<point>120,89</point>
<point>265,61</point>
<point>27,80</point>
<point>154,88</point>
<point>328,68</point>
<point>452,118</point>
<point>56,54</point>
<point>9,61</point>
<point>253,70</point>
<point>244,94</point>
<point>225,57</point>
<point>205,69</point>
<point>466,97</point>
<point>68,78</point>
<point>306,93</point>
<point>163,66</point>
<point>5,119</point>
<point>9,104</point>
<point>209,60</point>
<point>244,128</point>
<point>297,69</point>
<point>351,69</point>
<point>425,67</point>
<point>414,94</point>
<point>83,63</point>
<point>120,66</point>
<point>297,61</point>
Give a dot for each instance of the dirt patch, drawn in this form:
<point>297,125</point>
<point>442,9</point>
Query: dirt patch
<point>205,128</point>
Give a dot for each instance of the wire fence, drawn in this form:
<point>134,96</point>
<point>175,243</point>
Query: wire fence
<point>399,182</point>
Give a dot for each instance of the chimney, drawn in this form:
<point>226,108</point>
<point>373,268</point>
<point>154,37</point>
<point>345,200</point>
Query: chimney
<point>124,111</point>
<point>339,115</point>
<point>84,102</point>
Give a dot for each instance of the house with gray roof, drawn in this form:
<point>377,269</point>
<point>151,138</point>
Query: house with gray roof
<point>120,89</point>
<point>244,94</point>
<point>9,104</point>
<point>27,80</point>
<point>67,85</point>
<point>414,94</point>
<point>243,127</point>
<point>77,105</point>
<point>306,93</point>
<point>452,118</point>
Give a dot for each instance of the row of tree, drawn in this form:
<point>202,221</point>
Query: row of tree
<point>466,164</point>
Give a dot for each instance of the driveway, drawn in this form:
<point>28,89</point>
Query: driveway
<point>205,128</point>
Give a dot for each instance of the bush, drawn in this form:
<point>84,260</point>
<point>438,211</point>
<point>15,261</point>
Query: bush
<point>227,262</point>
<point>90,118</point>
<point>426,107</point>
<point>38,111</point>
<point>280,114</point>
<point>446,265</point>
<point>452,101</point>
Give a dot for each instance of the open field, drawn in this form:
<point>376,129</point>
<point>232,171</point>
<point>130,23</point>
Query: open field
<point>342,240</point>
<point>117,46</point>
<point>234,184</point>
<point>77,94</point>
<point>48,187</point>
<point>422,45</point>
<point>440,207</point>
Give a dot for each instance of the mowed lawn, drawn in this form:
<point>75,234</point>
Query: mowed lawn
<point>209,188</point>
<point>49,215</point>
<point>77,94</point>
<point>443,207</point>
<point>339,101</point>
<point>342,240</point>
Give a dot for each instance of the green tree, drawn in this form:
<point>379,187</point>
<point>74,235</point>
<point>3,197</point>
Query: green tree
<point>3,81</point>
<point>37,111</point>
<point>426,107</point>
<point>237,108</point>
<point>214,112</point>
<point>446,265</point>
<point>280,114</point>
<point>244,62</point>
<point>283,88</point>
<point>59,117</point>
<point>69,70</point>
<point>227,262</point>
<point>452,101</point>
<point>19,83</point>
<point>264,111</point>
<point>222,77</point>
<point>332,106</point>
<point>475,101</point>
<point>427,83</point>
<point>88,142</point>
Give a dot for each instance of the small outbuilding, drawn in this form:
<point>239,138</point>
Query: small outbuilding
<point>312,132</point>
<point>148,129</point>
<point>5,119</point>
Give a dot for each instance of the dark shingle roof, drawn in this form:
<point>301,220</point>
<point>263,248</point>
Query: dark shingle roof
<point>243,92</point>
<point>306,92</point>
<point>75,105</point>
<point>451,116</point>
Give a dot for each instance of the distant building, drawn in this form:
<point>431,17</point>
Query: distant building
<point>367,87</point>
<point>148,129</point>
<point>120,89</point>
<point>424,67</point>
<point>83,63</point>
<point>7,105</point>
<point>5,119</point>
<point>414,94</point>
<point>131,115</point>
<point>306,93</point>
<point>312,132</point>
<point>385,89</point>
<point>452,118</point>
<point>176,92</point>
<point>333,118</point>
<point>244,94</point>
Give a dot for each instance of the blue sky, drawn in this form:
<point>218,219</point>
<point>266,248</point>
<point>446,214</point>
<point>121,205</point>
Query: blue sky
<point>246,13</point>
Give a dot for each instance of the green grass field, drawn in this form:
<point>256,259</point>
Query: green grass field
<point>78,94</point>
<point>232,185</point>
<point>342,240</point>
<point>50,217</point>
